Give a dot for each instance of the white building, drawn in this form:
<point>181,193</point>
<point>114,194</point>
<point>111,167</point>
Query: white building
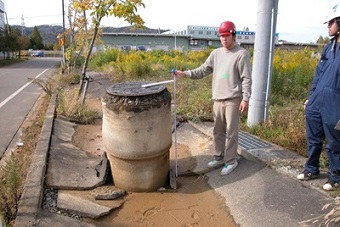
<point>2,16</point>
<point>208,32</point>
<point>195,37</point>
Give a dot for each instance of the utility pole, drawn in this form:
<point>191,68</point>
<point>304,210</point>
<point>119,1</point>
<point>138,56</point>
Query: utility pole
<point>63,37</point>
<point>23,33</point>
<point>263,59</point>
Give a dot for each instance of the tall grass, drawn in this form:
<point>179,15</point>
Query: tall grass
<point>293,73</point>
<point>11,187</point>
<point>70,106</point>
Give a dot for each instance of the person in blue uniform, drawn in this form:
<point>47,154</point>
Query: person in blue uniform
<point>322,109</point>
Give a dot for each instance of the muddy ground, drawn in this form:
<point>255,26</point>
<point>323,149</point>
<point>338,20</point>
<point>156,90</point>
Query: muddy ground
<point>193,203</point>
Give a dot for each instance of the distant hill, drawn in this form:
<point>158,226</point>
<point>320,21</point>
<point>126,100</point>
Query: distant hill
<point>49,33</point>
<point>130,29</point>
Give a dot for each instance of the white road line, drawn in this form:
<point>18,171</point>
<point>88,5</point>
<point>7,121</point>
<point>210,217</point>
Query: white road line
<point>19,90</point>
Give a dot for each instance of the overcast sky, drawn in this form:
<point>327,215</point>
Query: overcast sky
<point>297,20</point>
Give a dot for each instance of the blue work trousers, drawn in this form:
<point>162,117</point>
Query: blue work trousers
<point>321,118</point>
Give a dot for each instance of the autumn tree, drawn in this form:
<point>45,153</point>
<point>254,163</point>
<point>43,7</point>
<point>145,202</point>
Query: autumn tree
<point>20,42</point>
<point>77,34</point>
<point>98,9</point>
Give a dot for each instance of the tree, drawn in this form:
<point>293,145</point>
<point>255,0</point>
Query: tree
<point>2,41</point>
<point>36,41</point>
<point>19,42</point>
<point>12,41</point>
<point>98,10</point>
<point>77,34</point>
<point>8,42</point>
<point>323,40</point>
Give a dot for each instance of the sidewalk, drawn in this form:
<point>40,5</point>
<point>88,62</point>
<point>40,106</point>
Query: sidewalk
<point>261,191</point>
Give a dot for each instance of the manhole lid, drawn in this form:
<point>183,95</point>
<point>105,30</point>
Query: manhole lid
<point>134,89</point>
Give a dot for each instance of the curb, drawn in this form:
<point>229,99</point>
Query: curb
<point>32,195</point>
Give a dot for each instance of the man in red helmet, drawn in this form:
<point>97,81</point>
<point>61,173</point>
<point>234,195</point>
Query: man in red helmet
<point>231,88</point>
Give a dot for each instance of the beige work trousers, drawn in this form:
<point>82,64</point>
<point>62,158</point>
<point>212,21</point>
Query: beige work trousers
<point>226,129</point>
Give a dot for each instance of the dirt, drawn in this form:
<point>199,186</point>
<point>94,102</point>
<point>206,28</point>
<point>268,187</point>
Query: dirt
<point>193,203</point>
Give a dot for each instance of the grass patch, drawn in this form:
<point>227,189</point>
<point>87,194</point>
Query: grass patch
<point>11,187</point>
<point>70,106</point>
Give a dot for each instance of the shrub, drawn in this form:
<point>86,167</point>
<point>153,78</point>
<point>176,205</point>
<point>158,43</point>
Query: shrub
<point>292,76</point>
<point>70,106</point>
<point>103,58</point>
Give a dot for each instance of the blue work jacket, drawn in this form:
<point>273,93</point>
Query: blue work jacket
<point>325,91</point>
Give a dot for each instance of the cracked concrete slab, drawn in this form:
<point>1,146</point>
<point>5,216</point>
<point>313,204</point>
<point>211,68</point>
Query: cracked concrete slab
<point>63,129</point>
<point>72,168</point>
<point>85,205</point>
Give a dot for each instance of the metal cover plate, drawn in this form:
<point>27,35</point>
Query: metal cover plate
<point>248,142</point>
<point>134,89</point>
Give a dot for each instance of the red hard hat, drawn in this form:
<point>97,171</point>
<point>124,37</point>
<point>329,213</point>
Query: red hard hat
<point>227,28</point>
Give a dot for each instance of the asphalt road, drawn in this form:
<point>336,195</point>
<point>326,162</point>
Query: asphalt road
<point>18,94</point>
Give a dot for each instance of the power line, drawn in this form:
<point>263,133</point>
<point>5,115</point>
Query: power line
<point>22,19</point>
<point>16,18</point>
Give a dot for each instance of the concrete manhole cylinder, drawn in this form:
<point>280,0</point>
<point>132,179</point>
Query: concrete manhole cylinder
<point>137,133</point>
